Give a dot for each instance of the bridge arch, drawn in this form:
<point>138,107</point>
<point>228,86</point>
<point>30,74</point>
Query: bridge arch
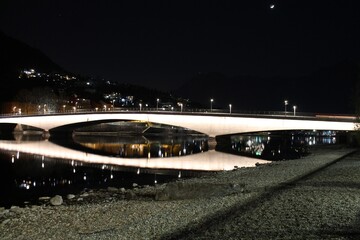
<point>208,123</point>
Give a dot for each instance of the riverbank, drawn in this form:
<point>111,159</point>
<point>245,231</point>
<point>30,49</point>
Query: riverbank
<point>159,212</point>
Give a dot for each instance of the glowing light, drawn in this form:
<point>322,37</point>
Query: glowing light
<point>272,6</point>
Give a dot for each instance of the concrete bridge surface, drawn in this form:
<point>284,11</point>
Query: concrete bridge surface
<point>211,124</point>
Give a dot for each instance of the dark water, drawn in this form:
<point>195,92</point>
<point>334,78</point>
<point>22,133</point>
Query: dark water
<point>279,145</point>
<point>32,166</point>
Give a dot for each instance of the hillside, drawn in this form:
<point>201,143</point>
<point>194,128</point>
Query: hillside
<point>16,56</point>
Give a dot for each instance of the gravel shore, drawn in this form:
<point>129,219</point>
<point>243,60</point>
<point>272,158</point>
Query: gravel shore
<point>315,197</point>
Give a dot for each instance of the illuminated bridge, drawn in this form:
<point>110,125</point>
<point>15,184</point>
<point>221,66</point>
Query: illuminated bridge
<point>209,123</point>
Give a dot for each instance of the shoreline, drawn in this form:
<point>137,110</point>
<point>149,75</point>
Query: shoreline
<point>159,212</point>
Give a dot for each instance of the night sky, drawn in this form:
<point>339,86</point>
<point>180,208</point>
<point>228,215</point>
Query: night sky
<point>162,44</point>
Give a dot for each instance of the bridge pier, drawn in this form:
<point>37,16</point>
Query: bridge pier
<point>212,143</point>
<point>18,129</point>
<point>46,134</point>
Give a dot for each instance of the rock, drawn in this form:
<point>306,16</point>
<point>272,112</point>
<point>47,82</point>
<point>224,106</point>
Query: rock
<point>85,194</point>
<point>44,198</point>
<point>15,209</point>
<point>57,200</point>
<point>130,195</point>
<point>70,196</point>
<point>112,189</point>
<point>5,221</point>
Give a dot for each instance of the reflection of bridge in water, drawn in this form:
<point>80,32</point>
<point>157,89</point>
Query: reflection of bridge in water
<point>211,124</point>
<point>206,161</point>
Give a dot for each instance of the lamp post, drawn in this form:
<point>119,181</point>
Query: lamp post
<point>211,101</point>
<point>140,105</point>
<point>230,108</point>
<point>294,107</point>
<point>286,103</point>
<point>157,104</point>
<point>181,107</point>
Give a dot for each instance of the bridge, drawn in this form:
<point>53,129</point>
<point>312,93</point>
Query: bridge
<point>209,123</point>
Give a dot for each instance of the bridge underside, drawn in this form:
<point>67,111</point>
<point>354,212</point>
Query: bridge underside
<point>211,125</point>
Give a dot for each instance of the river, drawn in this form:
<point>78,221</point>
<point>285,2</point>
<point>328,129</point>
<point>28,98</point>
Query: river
<point>32,166</point>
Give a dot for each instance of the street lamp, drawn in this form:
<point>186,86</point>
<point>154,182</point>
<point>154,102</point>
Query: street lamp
<point>294,107</point>
<point>140,105</point>
<point>181,107</point>
<point>157,104</point>
<point>211,101</point>
<point>286,103</point>
<point>230,108</point>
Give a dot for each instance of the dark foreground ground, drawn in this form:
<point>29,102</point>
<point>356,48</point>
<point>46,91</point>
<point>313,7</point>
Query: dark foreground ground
<point>315,197</point>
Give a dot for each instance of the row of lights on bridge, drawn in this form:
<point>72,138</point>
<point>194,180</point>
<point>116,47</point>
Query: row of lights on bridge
<point>286,102</point>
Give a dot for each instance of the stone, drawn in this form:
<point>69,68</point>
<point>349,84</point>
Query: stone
<point>57,200</point>
<point>112,189</point>
<point>70,196</point>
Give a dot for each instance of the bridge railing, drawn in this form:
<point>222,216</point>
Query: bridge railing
<point>167,110</point>
<point>179,110</point>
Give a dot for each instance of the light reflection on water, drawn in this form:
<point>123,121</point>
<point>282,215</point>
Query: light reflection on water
<point>279,145</point>
<point>31,166</point>
<point>37,167</point>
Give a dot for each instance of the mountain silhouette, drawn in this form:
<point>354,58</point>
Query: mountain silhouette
<point>16,56</point>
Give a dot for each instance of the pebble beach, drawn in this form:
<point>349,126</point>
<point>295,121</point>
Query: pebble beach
<point>314,197</point>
